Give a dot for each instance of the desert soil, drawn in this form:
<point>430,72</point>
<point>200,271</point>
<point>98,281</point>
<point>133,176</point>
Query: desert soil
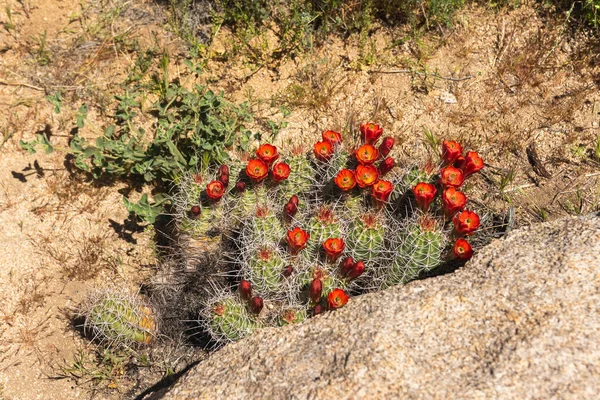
<point>509,84</point>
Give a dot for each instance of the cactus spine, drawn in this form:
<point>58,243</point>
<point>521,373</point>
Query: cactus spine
<point>365,239</point>
<point>229,320</point>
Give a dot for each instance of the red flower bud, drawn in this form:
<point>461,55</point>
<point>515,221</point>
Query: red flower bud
<point>245,289</point>
<point>424,194</point>
<point>267,153</point>
<point>356,271</point>
<point>386,165</point>
<point>314,290</point>
<point>294,200</point>
<point>346,266</point>
<point>332,137</point>
<point>366,154</point>
<point>451,151</point>
<point>224,170</point>
<point>196,211</point>
<point>318,309</point>
<point>288,271</point>
<point>386,146</point>
<point>281,171</point>
<point>382,190</point>
<point>297,239</point>
<point>290,209</point>
<point>240,186</point>
<point>323,151</point>
<point>345,180</point>
<point>215,190</point>
<point>334,248</point>
<point>472,163</point>
<point>370,133</point>
<point>257,170</point>
<point>466,222</point>
<point>366,175</point>
<point>453,200</point>
<point>256,305</point>
<point>224,178</point>
<point>337,298</point>
<point>462,250</point>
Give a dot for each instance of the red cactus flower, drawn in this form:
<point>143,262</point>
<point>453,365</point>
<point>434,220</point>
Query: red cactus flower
<point>297,239</point>
<point>366,154</point>
<point>267,153</point>
<point>462,250</point>
<point>357,270</point>
<point>334,248</point>
<point>453,200</point>
<point>451,150</point>
<point>345,180</point>
<point>386,165</point>
<point>366,175</point>
<point>382,190</point>
<point>346,266</point>
<point>472,163</point>
<point>196,211</point>
<point>215,190</point>
<point>256,305</point>
<point>337,298</point>
<point>369,133</point>
<point>459,162</point>
<point>332,137</point>
<point>323,150</point>
<point>451,177</point>
<point>466,222</point>
<point>245,289</point>
<point>240,186</point>
<point>386,146</point>
<point>257,170</point>
<point>424,194</point>
<point>287,271</point>
<point>315,290</point>
<point>281,171</point>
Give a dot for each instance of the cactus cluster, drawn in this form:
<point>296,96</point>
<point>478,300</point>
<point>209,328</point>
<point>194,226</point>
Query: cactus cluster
<point>301,232</point>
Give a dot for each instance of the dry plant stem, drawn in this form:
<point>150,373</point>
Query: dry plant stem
<point>23,84</point>
<point>410,71</point>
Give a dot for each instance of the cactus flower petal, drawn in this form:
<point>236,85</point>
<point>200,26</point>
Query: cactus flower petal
<point>337,298</point>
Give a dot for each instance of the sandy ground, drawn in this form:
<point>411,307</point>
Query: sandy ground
<point>509,85</point>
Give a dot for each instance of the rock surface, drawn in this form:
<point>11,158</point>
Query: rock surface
<point>520,320</point>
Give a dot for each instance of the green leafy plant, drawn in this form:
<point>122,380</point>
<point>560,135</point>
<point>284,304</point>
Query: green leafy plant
<point>194,129</point>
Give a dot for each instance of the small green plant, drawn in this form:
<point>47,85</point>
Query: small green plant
<point>194,128</point>
<point>42,54</point>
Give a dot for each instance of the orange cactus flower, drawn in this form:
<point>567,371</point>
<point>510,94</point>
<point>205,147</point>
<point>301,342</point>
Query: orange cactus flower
<point>453,200</point>
<point>215,190</point>
<point>451,150</point>
<point>386,165</point>
<point>386,146</point>
<point>281,171</point>
<point>466,222</point>
<point>366,175</point>
<point>267,153</point>
<point>332,137</point>
<point>424,194</point>
<point>323,150</point>
<point>462,250</point>
<point>337,298</point>
<point>366,154</point>
<point>370,133</point>
<point>451,177</point>
<point>382,190</point>
<point>257,170</point>
<point>345,180</point>
<point>296,239</point>
<point>334,248</point>
<point>472,163</point>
